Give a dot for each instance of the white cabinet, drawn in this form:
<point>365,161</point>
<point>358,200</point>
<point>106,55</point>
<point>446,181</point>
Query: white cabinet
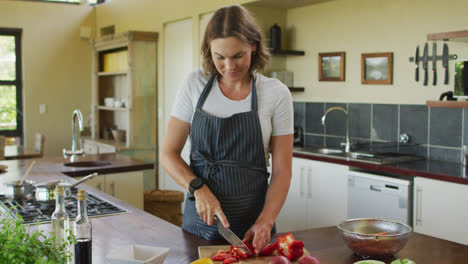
<point>317,196</point>
<point>126,186</point>
<point>439,209</point>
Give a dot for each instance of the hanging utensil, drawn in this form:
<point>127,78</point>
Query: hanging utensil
<point>425,59</point>
<point>416,62</point>
<point>445,59</point>
<point>434,65</point>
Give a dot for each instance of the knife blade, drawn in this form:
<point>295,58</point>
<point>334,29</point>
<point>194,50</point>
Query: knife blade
<point>425,59</point>
<point>434,65</point>
<point>230,237</point>
<point>416,62</point>
<point>445,58</point>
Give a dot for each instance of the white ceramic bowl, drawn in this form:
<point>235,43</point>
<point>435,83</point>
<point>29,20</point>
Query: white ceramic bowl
<point>138,254</point>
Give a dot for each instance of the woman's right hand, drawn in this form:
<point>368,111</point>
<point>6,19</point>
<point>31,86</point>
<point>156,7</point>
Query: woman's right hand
<point>208,206</point>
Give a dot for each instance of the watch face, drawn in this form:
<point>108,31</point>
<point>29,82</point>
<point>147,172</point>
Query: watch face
<point>195,184</point>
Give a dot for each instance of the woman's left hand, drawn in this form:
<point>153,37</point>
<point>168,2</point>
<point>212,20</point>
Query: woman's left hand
<point>259,234</point>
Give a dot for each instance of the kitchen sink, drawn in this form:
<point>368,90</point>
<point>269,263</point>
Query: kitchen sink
<point>328,151</point>
<point>361,156</point>
<point>81,164</point>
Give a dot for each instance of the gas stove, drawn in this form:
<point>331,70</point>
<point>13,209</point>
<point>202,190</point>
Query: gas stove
<point>34,212</point>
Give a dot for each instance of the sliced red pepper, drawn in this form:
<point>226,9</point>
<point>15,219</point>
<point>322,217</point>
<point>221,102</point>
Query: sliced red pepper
<point>289,247</point>
<point>229,260</point>
<point>251,248</point>
<point>268,250</point>
<point>242,253</point>
<point>222,255</point>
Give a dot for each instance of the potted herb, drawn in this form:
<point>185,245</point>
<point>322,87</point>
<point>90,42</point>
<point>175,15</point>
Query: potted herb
<point>19,246</point>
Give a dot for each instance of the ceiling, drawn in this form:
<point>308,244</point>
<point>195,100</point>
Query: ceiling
<point>286,3</point>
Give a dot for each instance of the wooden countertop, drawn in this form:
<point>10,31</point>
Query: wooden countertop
<point>139,227</point>
<point>434,169</point>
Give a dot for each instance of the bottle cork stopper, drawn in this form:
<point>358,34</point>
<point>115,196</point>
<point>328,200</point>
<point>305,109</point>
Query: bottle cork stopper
<point>59,190</point>
<point>81,195</point>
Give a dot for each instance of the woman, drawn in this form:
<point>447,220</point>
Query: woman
<point>234,116</point>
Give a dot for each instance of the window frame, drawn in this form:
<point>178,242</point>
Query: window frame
<point>17,33</point>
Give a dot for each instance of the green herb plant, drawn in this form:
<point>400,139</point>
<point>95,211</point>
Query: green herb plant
<point>17,246</point>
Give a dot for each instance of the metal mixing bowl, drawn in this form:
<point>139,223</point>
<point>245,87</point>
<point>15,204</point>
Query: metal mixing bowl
<point>360,235</point>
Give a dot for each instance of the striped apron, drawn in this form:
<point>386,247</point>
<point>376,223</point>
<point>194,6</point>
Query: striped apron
<point>227,153</point>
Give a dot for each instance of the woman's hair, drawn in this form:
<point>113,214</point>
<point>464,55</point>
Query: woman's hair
<point>234,21</point>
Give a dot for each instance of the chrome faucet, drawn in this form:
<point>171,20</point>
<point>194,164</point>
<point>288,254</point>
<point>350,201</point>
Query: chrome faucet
<point>347,144</point>
<point>75,151</point>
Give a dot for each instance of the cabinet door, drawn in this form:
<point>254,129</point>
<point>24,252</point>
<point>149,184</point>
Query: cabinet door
<point>293,214</point>
<point>127,186</point>
<point>439,209</point>
<point>96,182</point>
<point>326,187</point>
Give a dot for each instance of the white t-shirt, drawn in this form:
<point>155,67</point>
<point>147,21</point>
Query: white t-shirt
<point>275,107</point>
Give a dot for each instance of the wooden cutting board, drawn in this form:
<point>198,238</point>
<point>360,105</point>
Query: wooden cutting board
<point>209,251</point>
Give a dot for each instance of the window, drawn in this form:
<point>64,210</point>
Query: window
<point>11,84</point>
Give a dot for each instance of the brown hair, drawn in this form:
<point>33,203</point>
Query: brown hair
<point>234,21</point>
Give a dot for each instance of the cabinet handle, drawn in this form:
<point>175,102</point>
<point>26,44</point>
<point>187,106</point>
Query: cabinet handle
<point>309,183</point>
<point>301,182</point>
<point>418,205</point>
<point>112,185</point>
<point>375,188</point>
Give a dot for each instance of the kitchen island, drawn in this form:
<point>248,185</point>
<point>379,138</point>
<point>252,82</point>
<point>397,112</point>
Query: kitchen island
<point>138,227</point>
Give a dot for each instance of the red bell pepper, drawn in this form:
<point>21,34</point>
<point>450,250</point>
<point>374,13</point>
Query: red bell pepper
<point>229,260</point>
<point>289,247</point>
<point>251,248</point>
<point>268,250</point>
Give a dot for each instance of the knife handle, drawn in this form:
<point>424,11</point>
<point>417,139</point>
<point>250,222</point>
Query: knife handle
<point>446,76</point>
<point>434,80</point>
<point>417,74</point>
<point>425,77</point>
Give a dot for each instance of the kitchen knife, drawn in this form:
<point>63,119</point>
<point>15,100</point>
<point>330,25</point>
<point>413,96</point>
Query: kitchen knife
<point>234,240</point>
<point>445,58</point>
<point>416,62</point>
<point>425,59</point>
<point>434,65</point>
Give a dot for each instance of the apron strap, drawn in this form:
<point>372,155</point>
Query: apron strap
<point>205,93</point>
<point>209,84</point>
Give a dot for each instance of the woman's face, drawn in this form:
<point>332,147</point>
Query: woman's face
<point>232,57</point>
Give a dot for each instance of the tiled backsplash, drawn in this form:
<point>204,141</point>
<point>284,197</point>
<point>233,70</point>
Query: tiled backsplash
<point>436,133</point>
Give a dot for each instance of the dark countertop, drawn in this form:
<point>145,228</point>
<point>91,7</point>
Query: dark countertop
<point>434,169</point>
<point>138,227</point>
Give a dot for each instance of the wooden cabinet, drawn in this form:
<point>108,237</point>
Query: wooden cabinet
<point>126,186</point>
<point>439,209</point>
<point>124,70</point>
<point>317,196</point>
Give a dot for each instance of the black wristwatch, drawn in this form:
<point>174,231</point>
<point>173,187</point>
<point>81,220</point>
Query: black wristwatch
<point>195,184</point>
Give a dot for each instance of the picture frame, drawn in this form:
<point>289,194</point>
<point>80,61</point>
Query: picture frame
<point>377,68</point>
<point>331,66</point>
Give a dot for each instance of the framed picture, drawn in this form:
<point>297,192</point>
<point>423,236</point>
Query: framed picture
<point>332,66</point>
<point>377,68</point>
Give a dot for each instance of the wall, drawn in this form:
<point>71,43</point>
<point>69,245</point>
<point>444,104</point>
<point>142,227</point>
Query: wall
<point>368,26</point>
<point>56,67</point>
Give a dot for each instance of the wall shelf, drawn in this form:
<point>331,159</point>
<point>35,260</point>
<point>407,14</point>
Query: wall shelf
<point>109,108</point>
<point>296,89</point>
<point>288,52</point>
<point>448,104</point>
<point>461,35</point>
<point>111,73</point>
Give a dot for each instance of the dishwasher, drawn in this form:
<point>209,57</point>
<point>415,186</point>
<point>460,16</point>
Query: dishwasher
<point>372,195</point>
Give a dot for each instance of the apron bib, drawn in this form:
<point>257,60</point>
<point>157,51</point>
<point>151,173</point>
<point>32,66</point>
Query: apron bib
<point>227,153</point>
